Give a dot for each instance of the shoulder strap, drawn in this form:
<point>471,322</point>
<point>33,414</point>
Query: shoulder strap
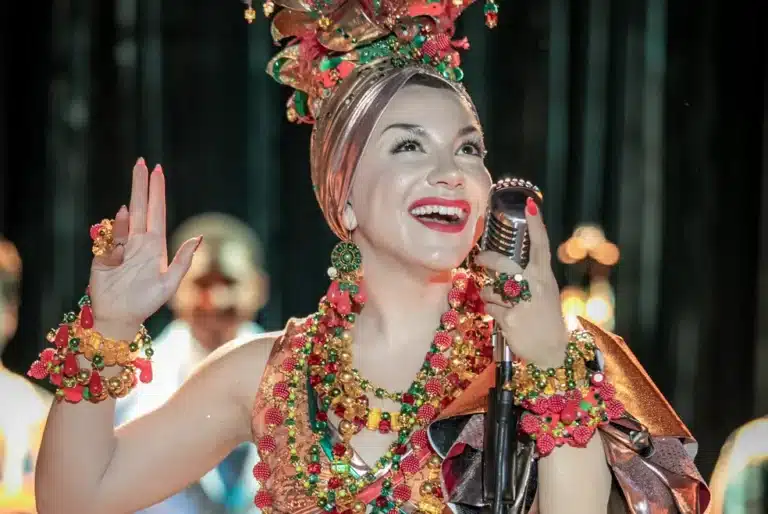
<point>281,349</point>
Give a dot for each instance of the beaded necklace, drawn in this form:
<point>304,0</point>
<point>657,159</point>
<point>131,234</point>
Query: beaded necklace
<point>321,360</point>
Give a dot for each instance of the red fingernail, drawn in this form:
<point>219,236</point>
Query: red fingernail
<point>532,209</point>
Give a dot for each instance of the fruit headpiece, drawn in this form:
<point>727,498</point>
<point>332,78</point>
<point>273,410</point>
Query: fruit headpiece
<point>327,40</point>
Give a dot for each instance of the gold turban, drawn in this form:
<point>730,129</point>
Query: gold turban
<point>346,59</point>
<point>344,126</point>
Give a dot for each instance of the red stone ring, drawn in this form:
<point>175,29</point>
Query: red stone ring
<point>513,289</point>
<point>103,239</point>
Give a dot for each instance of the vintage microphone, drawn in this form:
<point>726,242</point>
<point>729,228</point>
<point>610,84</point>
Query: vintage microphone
<point>508,460</point>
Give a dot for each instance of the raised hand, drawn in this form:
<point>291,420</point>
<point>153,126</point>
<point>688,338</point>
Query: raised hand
<point>132,281</point>
<point>534,330</point>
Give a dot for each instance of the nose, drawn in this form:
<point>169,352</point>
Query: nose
<point>446,174</point>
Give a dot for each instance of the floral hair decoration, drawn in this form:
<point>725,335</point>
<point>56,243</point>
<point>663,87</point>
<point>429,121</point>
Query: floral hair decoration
<point>328,39</point>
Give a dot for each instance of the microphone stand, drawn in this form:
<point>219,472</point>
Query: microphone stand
<point>508,460</point>
<point>507,454</point>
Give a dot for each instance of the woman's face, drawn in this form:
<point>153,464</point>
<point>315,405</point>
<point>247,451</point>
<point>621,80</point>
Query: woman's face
<point>421,186</point>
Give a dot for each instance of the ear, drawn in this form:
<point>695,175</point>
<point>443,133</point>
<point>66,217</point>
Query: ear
<point>349,218</point>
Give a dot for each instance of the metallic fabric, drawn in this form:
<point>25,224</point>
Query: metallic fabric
<point>325,41</point>
<point>344,126</point>
<point>653,472</point>
<point>462,470</point>
<point>653,475</point>
<point>635,388</point>
<point>288,494</point>
<point>657,478</point>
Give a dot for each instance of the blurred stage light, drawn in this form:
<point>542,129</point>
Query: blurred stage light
<point>596,302</point>
<point>573,301</point>
<point>588,241</point>
<point>599,307</point>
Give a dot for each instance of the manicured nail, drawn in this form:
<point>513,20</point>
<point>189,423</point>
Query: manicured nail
<point>123,210</point>
<point>531,207</point>
<point>140,162</point>
<point>158,168</point>
<point>199,240</point>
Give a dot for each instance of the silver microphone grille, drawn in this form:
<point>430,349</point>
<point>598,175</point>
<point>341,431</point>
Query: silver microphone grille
<point>506,230</point>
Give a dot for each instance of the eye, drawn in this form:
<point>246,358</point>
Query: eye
<point>407,145</point>
<point>474,148</point>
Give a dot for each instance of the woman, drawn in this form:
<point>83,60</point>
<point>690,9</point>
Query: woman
<point>397,165</point>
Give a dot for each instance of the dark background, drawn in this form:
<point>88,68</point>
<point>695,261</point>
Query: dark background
<point>646,117</point>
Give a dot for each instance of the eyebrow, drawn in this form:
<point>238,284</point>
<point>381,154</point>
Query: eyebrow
<point>469,129</point>
<point>410,127</point>
<point>418,129</point>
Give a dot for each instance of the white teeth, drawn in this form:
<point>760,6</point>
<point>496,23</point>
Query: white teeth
<point>439,209</point>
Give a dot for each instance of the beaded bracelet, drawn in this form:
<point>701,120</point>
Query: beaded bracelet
<point>565,405</point>
<point>75,336</point>
<point>529,380</point>
<point>570,418</point>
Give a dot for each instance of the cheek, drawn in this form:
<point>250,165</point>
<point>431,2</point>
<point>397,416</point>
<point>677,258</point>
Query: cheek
<point>485,181</point>
<point>479,227</point>
<point>479,186</point>
<point>381,195</point>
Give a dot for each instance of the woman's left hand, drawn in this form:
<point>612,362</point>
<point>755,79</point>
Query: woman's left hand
<point>534,330</point>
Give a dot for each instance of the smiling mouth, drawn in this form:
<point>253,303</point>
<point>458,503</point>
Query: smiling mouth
<point>440,214</point>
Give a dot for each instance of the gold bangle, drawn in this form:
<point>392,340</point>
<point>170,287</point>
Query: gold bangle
<point>109,352</point>
<point>530,380</point>
<point>121,384</point>
<point>73,337</point>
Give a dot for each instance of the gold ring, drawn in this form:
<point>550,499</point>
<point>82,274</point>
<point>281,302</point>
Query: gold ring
<point>103,239</point>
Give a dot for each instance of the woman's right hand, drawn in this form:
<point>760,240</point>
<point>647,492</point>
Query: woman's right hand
<point>134,280</point>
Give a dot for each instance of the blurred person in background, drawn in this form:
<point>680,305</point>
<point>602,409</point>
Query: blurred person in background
<point>740,481</point>
<point>216,303</point>
<point>25,406</point>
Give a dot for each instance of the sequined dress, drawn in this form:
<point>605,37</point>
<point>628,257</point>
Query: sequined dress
<point>650,451</point>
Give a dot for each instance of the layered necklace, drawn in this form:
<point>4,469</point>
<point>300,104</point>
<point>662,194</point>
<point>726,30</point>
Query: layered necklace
<point>321,360</point>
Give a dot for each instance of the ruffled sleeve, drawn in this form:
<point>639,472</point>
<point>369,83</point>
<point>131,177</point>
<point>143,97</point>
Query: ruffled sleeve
<point>650,451</point>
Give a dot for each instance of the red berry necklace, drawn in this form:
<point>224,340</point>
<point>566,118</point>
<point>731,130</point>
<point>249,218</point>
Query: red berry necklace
<point>322,355</point>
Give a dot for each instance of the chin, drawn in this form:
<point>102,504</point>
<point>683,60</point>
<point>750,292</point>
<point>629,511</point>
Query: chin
<point>439,251</point>
<point>439,258</point>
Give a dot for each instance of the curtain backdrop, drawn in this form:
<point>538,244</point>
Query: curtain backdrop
<point>645,117</point>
